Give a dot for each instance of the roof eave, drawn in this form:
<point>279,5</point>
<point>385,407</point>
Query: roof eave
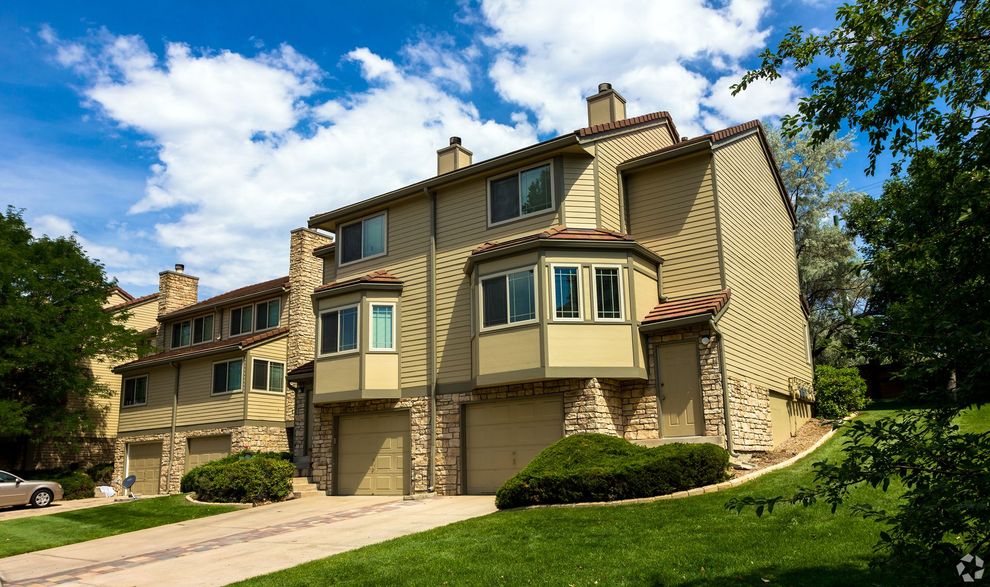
<point>237,346</point>
<point>357,286</point>
<point>549,243</point>
<point>190,311</point>
<point>673,152</point>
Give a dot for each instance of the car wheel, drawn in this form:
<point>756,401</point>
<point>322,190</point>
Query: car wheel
<point>42,498</point>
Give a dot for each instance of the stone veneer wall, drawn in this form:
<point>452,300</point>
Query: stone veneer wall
<point>177,290</point>
<point>57,453</point>
<point>324,436</point>
<point>749,406</point>
<point>256,438</point>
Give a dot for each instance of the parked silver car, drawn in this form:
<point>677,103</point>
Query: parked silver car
<point>17,491</point>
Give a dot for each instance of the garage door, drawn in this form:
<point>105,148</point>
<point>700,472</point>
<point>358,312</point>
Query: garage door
<point>502,437</point>
<point>206,449</point>
<point>372,454</point>
<point>145,462</point>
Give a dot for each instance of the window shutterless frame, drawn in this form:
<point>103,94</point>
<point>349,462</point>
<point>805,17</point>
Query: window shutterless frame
<point>267,305</point>
<point>269,364</point>
<point>240,320</point>
<point>518,173</point>
<point>240,384</point>
<point>371,327</point>
<point>357,334</point>
<point>621,295</point>
<point>508,293</point>
<point>123,393</point>
<point>176,331</point>
<point>579,292</point>
<point>363,257</point>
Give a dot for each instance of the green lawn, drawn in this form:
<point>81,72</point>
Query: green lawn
<point>692,541</point>
<point>40,532</point>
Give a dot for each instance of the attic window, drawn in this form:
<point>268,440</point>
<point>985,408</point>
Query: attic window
<point>520,194</point>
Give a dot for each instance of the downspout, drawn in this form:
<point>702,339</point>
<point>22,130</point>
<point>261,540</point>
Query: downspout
<point>725,388</point>
<point>431,325</point>
<point>171,436</point>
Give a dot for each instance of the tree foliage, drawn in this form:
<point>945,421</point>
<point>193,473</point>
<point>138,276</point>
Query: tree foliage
<point>51,322</point>
<point>833,280</point>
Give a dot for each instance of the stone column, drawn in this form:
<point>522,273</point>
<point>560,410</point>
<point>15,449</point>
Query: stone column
<point>177,290</point>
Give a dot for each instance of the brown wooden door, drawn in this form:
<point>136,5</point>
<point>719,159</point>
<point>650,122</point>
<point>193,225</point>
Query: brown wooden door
<point>680,390</point>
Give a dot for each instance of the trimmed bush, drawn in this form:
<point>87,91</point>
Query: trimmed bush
<point>596,467</point>
<point>838,391</point>
<point>101,473</point>
<point>242,478</point>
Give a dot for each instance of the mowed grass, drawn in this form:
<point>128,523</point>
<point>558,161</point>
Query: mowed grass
<point>693,541</point>
<point>40,532</point>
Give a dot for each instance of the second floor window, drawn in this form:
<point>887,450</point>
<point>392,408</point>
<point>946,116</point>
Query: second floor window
<point>202,329</point>
<point>136,391</point>
<point>240,320</point>
<point>227,376</point>
<point>338,330</point>
<point>362,239</point>
<point>566,293</point>
<point>382,327</point>
<point>608,293</point>
<point>520,194</point>
<point>180,333</point>
<point>267,314</point>
<point>508,298</point>
<point>267,375</point>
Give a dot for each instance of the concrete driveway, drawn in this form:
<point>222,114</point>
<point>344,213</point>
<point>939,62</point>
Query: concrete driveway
<point>56,508</point>
<point>238,545</point>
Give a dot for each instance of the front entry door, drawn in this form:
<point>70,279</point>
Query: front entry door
<point>680,390</point>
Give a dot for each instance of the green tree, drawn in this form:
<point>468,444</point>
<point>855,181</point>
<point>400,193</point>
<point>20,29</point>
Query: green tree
<point>833,280</point>
<point>913,77</point>
<point>51,322</point>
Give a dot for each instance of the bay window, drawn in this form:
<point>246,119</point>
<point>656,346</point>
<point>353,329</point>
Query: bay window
<point>382,327</point>
<point>566,292</point>
<point>339,330</point>
<point>608,293</point>
<point>508,298</point>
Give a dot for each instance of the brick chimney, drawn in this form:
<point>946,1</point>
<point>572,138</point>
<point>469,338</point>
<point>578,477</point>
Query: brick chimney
<point>177,290</point>
<point>606,106</point>
<point>453,157</point>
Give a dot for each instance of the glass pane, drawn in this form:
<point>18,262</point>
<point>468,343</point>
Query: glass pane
<point>235,322</point>
<point>261,318</point>
<point>208,328</point>
<point>374,235</point>
<point>233,375</point>
<point>184,337</point>
<point>274,311</point>
<point>535,188</point>
<point>607,293</point>
<point>350,243</point>
<point>129,391</point>
<point>522,305</point>
<point>176,335</point>
<point>495,304</point>
<point>246,319</point>
<point>219,378</point>
<point>348,329</point>
<point>328,328</point>
<point>565,283</point>
<point>275,376</point>
<point>504,202</point>
<point>259,375</point>
<point>381,327</point>
<point>140,390</point>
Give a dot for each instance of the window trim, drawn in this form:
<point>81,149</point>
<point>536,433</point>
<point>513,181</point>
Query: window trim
<point>509,323</point>
<point>319,327</point>
<point>594,292</point>
<point>230,320</point>
<point>123,392</point>
<point>519,172</point>
<point>192,329</point>
<point>371,326</point>
<point>171,334</point>
<point>340,232</point>
<point>553,292</point>
<point>228,392</point>
<point>268,375</point>
<point>254,318</point>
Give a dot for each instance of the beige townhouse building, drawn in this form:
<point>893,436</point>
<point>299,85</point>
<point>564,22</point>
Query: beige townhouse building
<point>619,279</point>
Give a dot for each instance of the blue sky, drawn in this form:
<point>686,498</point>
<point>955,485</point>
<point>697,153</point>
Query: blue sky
<point>203,132</point>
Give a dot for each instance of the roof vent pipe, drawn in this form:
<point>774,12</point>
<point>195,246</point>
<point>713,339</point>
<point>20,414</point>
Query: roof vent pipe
<point>179,267</point>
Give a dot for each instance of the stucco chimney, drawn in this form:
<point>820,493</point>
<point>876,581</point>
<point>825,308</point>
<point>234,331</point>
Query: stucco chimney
<point>453,157</point>
<point>606,106</point>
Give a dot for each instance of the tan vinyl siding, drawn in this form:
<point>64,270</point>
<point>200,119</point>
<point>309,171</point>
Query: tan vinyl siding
<point>672,212</point>
<point>615,150</point>
<point>197,405</point>
<point>764,324</point>
<point>580,208</point>
<point>157,413</point>
<point>263,405</point>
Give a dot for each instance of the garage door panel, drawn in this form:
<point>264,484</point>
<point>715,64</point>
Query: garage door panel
<point>144,461</point>
<point>206,449</point>
<point>502,437</point>
<point>372,454</point>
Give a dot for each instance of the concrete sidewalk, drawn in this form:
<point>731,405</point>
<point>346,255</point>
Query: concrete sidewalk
<point>238,545</point>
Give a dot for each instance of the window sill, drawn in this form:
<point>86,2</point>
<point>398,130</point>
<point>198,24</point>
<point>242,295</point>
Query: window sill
<point>356,261</point>
<point>504,327</point>
<point>338,354</point>
<point>549,210</point>
<point>226,393</point>
<point>144,405</point>
<point>266,392</point>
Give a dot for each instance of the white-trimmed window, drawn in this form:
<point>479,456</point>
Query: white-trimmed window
<point>240,320</point>
<point>608,293</point>
<point>227,376</point>
<point>362,239</point>
<point>181,334</point>
<point>135,391</point>
<point>202,329</point>
<point>382,326</point>
<point>566,292</point>
<point>508,298</point>
<point>267,314</point>
<point>339,330</point>
<point>268,375</point>
<point>520,193</point>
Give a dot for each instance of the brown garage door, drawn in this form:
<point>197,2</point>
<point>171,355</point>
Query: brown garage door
<point>502,437</point>
<point>205,449</point>
<point>144,461</point>
<point>372,454</point>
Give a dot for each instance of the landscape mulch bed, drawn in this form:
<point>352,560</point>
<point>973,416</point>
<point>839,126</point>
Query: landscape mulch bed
<point>807,435</point>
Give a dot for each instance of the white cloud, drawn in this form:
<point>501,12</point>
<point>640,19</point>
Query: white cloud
<point>55,226</point>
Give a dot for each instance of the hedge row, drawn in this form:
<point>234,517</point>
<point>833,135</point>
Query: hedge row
<point>596,467</point>
<point>242,478</point>
<point>76,482</point>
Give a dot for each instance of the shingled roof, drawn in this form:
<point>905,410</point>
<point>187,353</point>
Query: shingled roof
<point>217,346</point>
<point>559,233</point>
<point>693,307</point>
<point>380,277</point>
<point>304,371</point>
<point>627,122</point>
<point>270,286</point>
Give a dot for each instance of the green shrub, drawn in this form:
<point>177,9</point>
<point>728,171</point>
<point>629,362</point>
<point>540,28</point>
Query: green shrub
<point>596,467</point>
<point>838,391</point>
<point>242,478</point>
<point>75,484</point>
<point>101,473</point>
